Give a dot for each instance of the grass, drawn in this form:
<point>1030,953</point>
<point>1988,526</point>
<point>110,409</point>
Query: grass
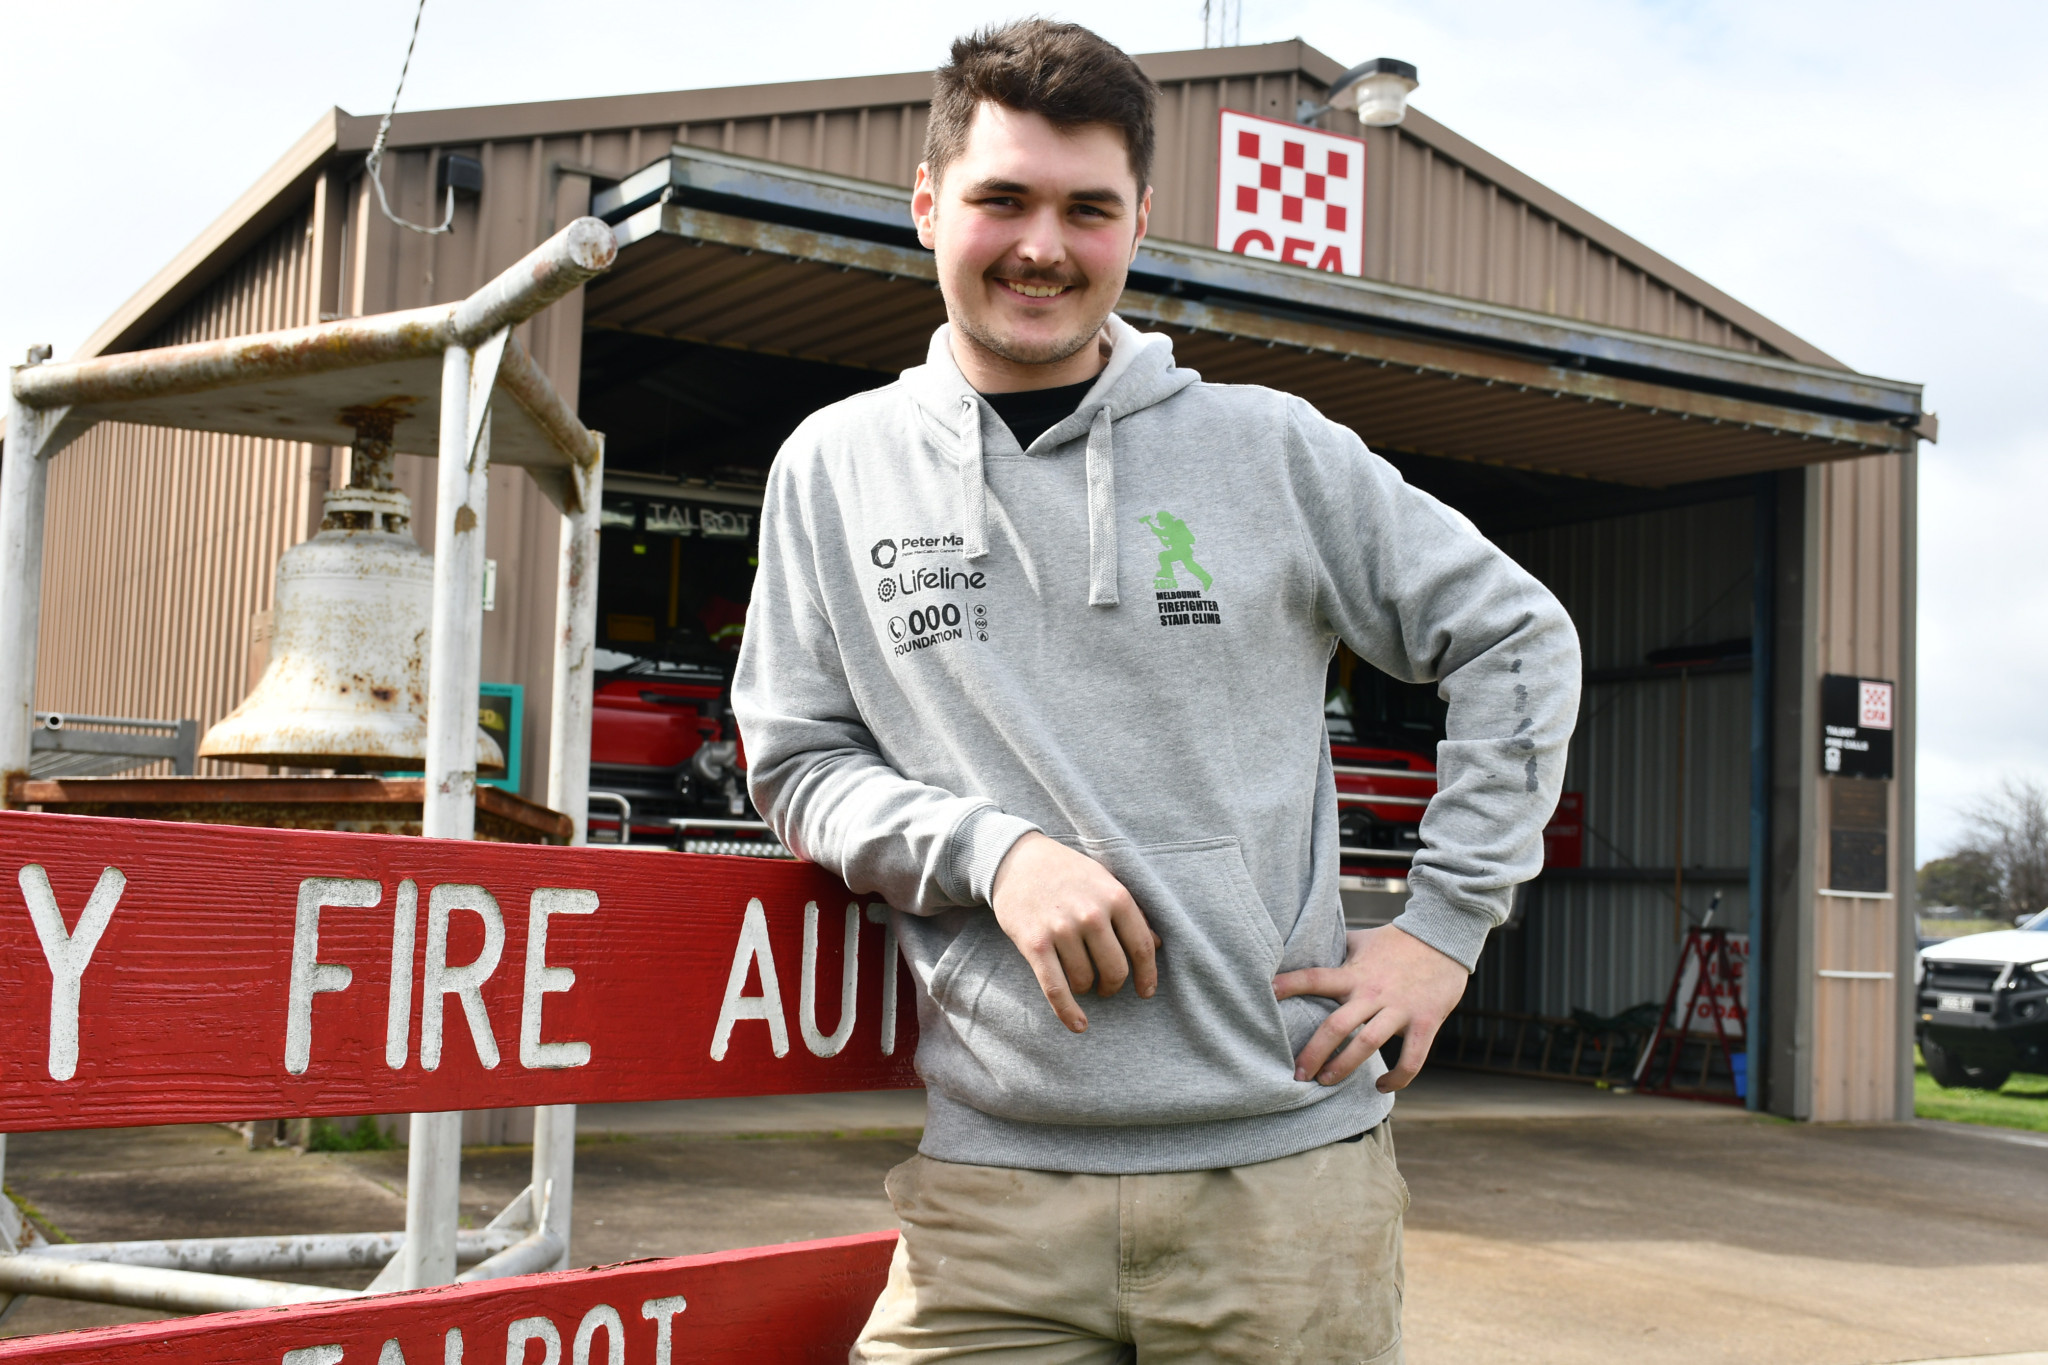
<point>365,1136</point>
<point>2022,1102</point>
<point>51,1232</point>
<point>1945,929</point>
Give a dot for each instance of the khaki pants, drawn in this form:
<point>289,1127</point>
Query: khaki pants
<point>1291,1260</point>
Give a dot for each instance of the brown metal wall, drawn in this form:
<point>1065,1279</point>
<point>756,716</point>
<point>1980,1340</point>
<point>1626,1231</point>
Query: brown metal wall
<point>1431,220</point>
<point>1434,224</point>
<point>1859,521</point>
<point>160,545</point>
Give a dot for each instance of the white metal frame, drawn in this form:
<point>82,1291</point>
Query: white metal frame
<point>302,373</point>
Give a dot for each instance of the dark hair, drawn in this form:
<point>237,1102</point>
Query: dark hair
<point>1063,72</point>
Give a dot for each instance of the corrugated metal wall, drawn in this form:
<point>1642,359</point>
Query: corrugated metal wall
<point>161,545</point>
<point>1608,938</point>
<point>1431,222</point>
<point>1860,523</point>
<point>1439,226</point>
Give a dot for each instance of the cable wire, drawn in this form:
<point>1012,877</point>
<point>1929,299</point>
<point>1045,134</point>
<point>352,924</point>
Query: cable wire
<point>374,162</point>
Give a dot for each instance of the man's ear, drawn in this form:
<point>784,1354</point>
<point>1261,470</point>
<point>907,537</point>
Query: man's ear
<point>1144,217</point>
<point>924,204</point>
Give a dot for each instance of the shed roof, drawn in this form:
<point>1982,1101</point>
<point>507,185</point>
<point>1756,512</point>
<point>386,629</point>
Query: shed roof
<point>735,252</point>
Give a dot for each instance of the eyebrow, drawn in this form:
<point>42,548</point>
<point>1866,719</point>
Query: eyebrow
<point>1086,196</point>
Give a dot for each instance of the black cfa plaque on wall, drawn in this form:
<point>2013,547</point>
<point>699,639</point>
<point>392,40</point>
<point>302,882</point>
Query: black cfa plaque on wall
<point>1856,726</point>
<point>1859,843</point>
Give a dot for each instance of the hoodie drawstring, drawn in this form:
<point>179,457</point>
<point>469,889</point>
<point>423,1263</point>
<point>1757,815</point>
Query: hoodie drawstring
<point>1102,584</point>
<point>973,484</point>
<point>1102,544</point>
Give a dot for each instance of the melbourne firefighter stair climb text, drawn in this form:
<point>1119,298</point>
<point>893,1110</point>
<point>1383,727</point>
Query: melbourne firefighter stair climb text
<point>1178,606</point>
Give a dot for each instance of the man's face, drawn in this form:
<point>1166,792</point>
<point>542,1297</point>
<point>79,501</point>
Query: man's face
<point>1034,229</point>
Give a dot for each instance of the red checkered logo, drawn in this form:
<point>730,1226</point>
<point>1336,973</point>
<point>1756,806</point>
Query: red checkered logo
<point>1290,193</point>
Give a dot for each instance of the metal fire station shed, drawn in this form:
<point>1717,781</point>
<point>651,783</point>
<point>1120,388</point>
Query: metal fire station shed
<point>1695,482</point>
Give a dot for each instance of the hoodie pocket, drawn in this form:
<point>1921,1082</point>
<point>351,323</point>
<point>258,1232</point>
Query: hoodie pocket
<point>1210,1043</point>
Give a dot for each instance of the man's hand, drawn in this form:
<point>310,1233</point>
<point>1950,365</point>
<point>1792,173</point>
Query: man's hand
<point>1075,924</point>
<point>1391,982</point>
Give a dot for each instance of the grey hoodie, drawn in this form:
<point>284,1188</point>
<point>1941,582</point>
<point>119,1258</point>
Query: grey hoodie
<point>1121,637</point>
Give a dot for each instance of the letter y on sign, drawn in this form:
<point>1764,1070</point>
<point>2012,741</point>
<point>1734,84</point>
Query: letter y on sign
<point>67,954</point>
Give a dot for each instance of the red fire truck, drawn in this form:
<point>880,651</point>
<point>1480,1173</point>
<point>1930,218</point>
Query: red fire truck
<point>675,567</point>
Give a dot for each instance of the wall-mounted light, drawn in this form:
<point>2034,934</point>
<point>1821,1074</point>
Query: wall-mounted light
<point>1376,90</point>
<point>462,174</point>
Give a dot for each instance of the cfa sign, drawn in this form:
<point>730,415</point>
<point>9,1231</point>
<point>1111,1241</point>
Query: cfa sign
<point>162,973</point>
<point>1856,726</point>
<point>1287,192</point>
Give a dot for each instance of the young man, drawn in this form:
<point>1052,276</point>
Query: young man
<point>1037,651</point>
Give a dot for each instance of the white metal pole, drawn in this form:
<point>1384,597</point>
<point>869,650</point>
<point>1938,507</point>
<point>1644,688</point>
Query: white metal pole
<point>454,671</point>
<point>554,1174</point>
<point>24,492</point>
<point>135,1286</point>
<point>433,1196</point>
<point>554,1126</point>
<point>455,666</point>
<point>575,645</point>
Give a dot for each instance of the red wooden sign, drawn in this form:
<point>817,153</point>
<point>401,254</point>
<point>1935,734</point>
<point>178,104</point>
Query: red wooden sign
<point>803,1302</point>
<point>176,973</point>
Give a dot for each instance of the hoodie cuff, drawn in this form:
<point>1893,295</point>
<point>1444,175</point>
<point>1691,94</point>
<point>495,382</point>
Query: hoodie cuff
<point>1455,932</point>
<point>979,844</point>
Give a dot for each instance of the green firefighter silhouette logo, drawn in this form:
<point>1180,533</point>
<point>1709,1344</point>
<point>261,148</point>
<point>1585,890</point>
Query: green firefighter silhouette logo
<point>1180,606</point>
<point>1178,544</point>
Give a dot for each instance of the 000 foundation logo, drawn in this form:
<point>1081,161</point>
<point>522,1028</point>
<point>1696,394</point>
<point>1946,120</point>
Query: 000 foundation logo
<point>932,625</point>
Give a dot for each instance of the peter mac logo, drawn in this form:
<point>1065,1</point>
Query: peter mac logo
<point>884,554</point>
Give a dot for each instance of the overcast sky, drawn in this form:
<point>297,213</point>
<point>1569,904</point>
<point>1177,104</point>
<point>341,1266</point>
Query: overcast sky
<point>1869,174</point>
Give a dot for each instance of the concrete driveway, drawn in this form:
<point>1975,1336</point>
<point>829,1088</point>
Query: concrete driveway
<point>1551,1223</point>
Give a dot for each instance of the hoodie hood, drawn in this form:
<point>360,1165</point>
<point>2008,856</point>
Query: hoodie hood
<point>1140,373</point>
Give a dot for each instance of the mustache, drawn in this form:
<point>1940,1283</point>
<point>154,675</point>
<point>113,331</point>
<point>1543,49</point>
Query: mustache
<point>1038,274</point>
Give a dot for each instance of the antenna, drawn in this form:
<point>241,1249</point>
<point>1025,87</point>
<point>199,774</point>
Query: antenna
<point>1222,23</point>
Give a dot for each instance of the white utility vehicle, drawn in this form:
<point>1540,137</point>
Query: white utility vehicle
<point>1984,1005</point>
